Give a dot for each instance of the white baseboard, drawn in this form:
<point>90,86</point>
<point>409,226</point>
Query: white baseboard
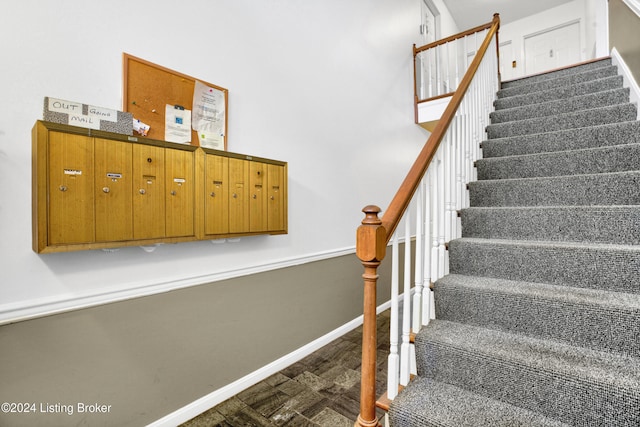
<point>30,309</point>
<point>627,77</point>
<point>634,5</point>
<point>212,399</point>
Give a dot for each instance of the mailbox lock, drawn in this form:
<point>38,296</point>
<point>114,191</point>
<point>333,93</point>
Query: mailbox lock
<point>173,192</point>
<point>255,196</point>
<point>272,198</point>
<point>149,160</point>
<point>63,188</point>
<point>213,194</point>
<point>235,196</point>
<point>142,191</point>
<point>105,189</point>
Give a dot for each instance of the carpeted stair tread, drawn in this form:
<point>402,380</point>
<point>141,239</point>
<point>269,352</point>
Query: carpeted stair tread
<point>562,106</point>
<point>596,224</point>
<point>591,318</point>
<point>571,384</point>
<point>582,265</point>
<point>562,140</point>
<point>596,116</point>
<point>617,158</point>
<point>616,188</point>
<point>584,88</point>
<point>575,69</point>
<point>435,404</point>
<point>561,81</point>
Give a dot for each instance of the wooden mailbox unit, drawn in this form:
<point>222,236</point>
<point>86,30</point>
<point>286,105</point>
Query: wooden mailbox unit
<point>99,190</point>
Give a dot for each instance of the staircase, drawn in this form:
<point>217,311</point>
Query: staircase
<point>538,321</point>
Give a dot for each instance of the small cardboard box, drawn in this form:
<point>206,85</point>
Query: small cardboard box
<point>87,116</point>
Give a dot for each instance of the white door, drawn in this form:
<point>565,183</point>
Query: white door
<point>428,21</point>
<point>427,66</point>
<point>507,61</point>
<point>553,48</point>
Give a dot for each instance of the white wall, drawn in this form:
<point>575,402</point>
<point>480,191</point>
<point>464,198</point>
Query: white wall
<point>326,86</point>
<point>575,10</point>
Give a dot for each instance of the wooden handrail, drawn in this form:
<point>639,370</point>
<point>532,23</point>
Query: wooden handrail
<point>477,29</point>
<point>374,233</point>
<point>408,187</point>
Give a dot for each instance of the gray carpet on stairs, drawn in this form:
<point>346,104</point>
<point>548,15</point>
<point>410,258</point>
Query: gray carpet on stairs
<point>538,322</point>
<point>596,116</point>
<point>562,106</point>
<point>596,224</point>
<point>568,139</point>
<point>616,158</point>
<point>589,87</point>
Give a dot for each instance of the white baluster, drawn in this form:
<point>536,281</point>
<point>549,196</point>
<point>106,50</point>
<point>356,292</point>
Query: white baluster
<point>459,156</point>
<point>426,293</point>
<point>405,349</point>
<point>447,140</point>
<point>474,130</point>
<point>394,358</point>
<point>433,73</point>
<point>417,297</point>
<point>435,219</point>
<point>426,75</point>
<point>473,122</point>
<point>441,215</point>
<point>446,198</point>
<point>447,63</point>
<point>457,53</point>
<point>459,186</point>
<point>464,144</point>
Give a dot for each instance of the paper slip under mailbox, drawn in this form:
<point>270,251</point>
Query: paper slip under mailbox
<point>87,116</point>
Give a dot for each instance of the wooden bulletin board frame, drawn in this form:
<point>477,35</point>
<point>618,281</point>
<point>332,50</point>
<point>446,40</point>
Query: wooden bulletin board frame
<point>148,88</point>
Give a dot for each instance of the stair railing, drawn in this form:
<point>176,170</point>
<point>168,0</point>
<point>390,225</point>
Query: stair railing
<point>428,200</point>
<point>440,66</point>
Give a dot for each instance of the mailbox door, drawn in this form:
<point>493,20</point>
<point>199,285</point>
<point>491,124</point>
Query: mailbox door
<point>238,195</point>
<point>113,190</point>
<point>180,188</point>
<point>148,192</point>
<point>275,198</point>
<point>71,216</point>
<point>257,197</point>
<point>216,220</point>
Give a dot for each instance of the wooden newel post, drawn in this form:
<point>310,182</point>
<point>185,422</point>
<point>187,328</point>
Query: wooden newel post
<point>371,243</point>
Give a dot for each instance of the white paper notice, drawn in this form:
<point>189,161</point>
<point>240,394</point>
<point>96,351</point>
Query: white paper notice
<point>67,107</point>
<point>84,121</point>
<point>209,115</point>
<point>177,125</point>
<point>211,140</point>
<point>103,113</point>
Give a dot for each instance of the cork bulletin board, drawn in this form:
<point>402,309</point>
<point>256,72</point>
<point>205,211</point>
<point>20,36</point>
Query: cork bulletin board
<point>149,90</point>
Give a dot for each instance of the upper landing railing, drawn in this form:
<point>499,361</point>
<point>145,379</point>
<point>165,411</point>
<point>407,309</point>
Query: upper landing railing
<point>431,194</point>
<point>439,67</point>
